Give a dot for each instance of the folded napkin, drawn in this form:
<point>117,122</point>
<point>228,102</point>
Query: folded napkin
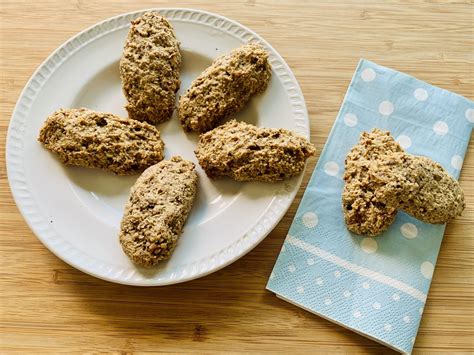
<point>374,286</point>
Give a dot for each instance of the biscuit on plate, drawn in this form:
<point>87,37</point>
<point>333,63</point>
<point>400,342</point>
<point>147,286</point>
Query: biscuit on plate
<point>150,68</point>
<point>156,211</point>
<point>249,153</point>
<point>101,140</point>
<point>225,87</point>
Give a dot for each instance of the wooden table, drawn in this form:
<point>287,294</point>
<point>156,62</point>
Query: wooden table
<point>48,306</point>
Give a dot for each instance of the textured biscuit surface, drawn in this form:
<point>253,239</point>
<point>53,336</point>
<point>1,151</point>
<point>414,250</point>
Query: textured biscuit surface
<point>364,211</point>
<point>101,140</point>
<point>156,211</point>
<point>422,188</point>
<point>245,152</point>
<point>150,68</point>
<point>225,87</point>
<point>381,177</point>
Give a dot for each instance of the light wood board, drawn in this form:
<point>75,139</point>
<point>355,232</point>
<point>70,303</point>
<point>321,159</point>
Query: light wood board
<point>48,306</point>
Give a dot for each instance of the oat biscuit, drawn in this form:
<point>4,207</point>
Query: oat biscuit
<point>381,178</point>
<point>422,188</point>
<point>364,211</point>
<point>101,140</point>
<point>225,87</point>
<point>150,68</point>
<point>156,211</point>
<point>249,153</point>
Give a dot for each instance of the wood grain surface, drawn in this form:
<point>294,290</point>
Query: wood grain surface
<point>48,306</point>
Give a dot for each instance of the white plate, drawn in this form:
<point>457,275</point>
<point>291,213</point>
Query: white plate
<point>76,212</point>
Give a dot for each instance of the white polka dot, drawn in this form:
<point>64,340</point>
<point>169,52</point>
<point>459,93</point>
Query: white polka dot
<point>470,115</point>
<point>337,273</point>
<point>310,219</point>
<point>456,162</point>
<point>327,301</point>
<point>387,327</point>
<point>319,281</point>
<point>396,297</point>
<point>413,340</point>
<point>357,314</point>
<point>369,245</point>
<point>376,305</point>
<point>386,108</point>
<point>291,268</point>
<point>420,94</point>
<point>272,276</point>
<point>331,168</point>
<point>441,128</point>
<point>310,261</point>
<point>406,319</point>
<point>404,141</point>
<point>368,74</point>
<point>300,289</point>
<point>427,269</point>
<point>347,294</point>
<point>420,310</point>
<point>283,249</point>
<point>409,230</point>
<point>365,285</point>
<point>350,119</point>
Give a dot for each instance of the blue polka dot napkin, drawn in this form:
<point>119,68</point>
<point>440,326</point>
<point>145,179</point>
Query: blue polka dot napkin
<point>375,286</point>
